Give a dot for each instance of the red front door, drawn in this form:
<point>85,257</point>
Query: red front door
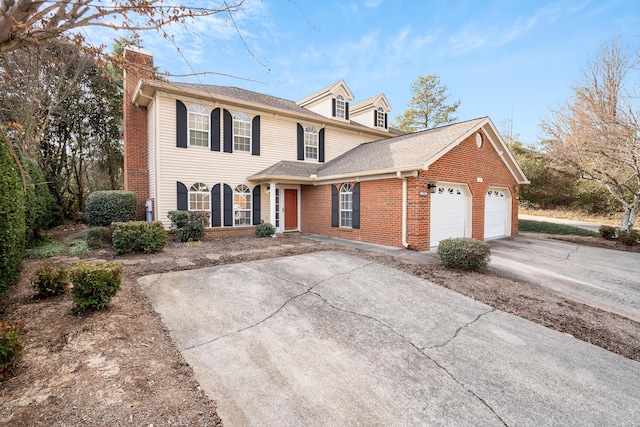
<point>290,209</point>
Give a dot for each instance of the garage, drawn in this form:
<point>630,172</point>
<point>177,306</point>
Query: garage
<point>448,213</point>
<point>495,214</point>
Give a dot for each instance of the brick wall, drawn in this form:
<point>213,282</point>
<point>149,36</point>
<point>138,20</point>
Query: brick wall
<point>218,232</point>
<point>381,201</point>
<point>136,171</point>
<point>380,212</point>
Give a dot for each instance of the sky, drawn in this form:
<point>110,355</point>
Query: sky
<point>509,60</point>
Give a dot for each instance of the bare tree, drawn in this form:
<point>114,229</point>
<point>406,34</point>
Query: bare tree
<point>598,132</point>
<point>36,22</point>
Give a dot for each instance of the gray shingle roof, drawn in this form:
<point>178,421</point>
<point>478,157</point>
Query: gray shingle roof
<point>289,168</point>
<point>401,151</point>
<point>249,96</point>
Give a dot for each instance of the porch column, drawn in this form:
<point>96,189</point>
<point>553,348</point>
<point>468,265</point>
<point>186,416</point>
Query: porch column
<point>272,203</point>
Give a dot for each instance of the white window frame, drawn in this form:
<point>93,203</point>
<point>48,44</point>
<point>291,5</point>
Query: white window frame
<point>241,132</point>
<point>346,205</point>
<point>242,191</point>
<point>198,119</point>
<point>199,197</point>
<point>341,107</point>
<point>380,118</point>
<point>311,143</point>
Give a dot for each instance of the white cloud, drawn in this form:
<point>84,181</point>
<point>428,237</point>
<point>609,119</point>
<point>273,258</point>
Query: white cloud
<point>373,3</point>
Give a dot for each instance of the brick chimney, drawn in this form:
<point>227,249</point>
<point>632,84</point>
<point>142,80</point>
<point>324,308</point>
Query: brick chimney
<point>138,65</point>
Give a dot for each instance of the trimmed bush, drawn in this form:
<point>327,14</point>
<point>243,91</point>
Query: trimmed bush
<point>105,207</point>
<point>265,230</point>
<point>10,348</point>
<point>464,253</point>
<point>94,284</point>
<point>629,238</point>
<point>138,236</point>
<point>12,218</point>
<point>188,225</point>
<point>41,209</point>
<point>48,281</point>
<point>608,232</point>
<point>99,237</point>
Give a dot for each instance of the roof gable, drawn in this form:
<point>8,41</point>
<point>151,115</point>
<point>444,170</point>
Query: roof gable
<point>415,151</point>
<point>334,89</point>
<point>372,103</point>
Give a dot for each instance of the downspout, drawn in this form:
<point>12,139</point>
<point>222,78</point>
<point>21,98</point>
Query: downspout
<point>404,209</point>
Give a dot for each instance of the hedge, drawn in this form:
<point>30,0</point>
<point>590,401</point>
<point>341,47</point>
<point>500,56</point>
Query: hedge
<point>138,236</point>
<point>105,207</point>
<point>464,253</point>
<point>12,218</point>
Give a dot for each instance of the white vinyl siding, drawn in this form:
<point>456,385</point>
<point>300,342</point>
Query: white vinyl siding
<point>278,136</point>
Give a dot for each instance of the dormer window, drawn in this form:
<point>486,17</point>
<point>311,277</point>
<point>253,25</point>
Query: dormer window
<point>340,107</point>
<point>380,118</point>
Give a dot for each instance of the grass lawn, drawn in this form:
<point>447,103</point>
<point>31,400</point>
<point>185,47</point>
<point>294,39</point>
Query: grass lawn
<point>47,248</point>
<point>550,228</point>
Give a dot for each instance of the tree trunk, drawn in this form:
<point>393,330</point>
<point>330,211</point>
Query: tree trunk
<point>630,214</point>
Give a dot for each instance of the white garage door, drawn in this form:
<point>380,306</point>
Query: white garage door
<point>495,214</point>
<point>448,213</point>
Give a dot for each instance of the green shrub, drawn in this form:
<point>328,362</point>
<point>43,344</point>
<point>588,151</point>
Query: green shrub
<point>105,207</point>
<point>78,247</point>
<point>48,281</point>
<point>138,236</point>
<point>94,284</point>
<point>265,230</point>
<point>629,238</point>
<point>99,237</point>
<point>608,232</point>
<point>464,253</point>
<point>188,225</point>
<point>41,209</point>
<point>12,218</point>
<point>10,348</point>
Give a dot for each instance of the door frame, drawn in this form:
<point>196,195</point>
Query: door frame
<point>281,189</point>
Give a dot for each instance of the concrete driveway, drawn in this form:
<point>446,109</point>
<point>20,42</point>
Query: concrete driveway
<point>327,339</point>
<point>602,278</point>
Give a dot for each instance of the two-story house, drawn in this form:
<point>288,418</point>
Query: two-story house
<point>324,164</point>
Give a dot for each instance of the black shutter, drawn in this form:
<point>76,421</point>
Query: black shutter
<point>356,206</point>
<point>255,203</point>
<point>181,125</point>
<point>375,118</point>
<point>346,111</point>
<point>228,132</point>
<point>215,130</point>
<point>183,197</point>
<point>321,146</point>
<point>300,142</point>
<point>215,206</point>
<point>228,206</point>
<point>385,121</point>
<point>333,107</point>
<point>335,206</point>
<point>255,136</point>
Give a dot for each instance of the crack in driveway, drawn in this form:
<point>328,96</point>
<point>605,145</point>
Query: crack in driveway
<point>308,290</point>
<point>422,350</point>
